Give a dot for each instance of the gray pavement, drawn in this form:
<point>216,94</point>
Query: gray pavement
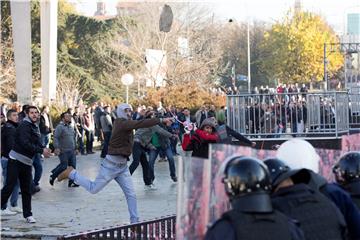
<point>61,210</point>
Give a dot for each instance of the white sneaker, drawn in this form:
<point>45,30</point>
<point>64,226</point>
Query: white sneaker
<point>30,219</point>
<point>7,212</point>
<point>16,209</point>
<point>150,187</point>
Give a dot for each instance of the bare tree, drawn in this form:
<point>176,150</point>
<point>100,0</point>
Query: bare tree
<point>193,22</point>
<point>7,73</point>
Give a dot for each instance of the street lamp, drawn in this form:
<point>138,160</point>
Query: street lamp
<point>127,79</point>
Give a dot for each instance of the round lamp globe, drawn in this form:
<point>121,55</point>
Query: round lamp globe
<point>127,79</point>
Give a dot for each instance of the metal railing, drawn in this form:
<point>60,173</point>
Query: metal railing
<point>354,108</point>
<point>160,228</point>
<point>281,115</point>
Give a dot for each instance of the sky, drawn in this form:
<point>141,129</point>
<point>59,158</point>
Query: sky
<point>334,11</point>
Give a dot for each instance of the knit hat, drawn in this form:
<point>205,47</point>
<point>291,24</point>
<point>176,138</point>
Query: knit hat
<point>208,122</point>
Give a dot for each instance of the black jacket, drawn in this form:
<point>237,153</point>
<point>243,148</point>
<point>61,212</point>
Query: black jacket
<point>27,139</point>
<point>318,216</point>
<point>8,132</point>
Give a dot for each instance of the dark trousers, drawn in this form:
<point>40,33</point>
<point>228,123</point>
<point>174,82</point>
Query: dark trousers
<point>107,136</point>
<point>67,158</point>
<point>18,170</point>
<point>89,140</point>
<point>80,140</point>
<point>139,156</point>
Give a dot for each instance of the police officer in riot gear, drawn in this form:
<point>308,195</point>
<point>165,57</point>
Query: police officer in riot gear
<point>347,175</point>
<point>252,217</point>
<point>300,154</point>
<point>318,216</point>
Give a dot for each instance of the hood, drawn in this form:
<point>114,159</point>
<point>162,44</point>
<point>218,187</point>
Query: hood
<point>120,111</point>
<point>27,119</point>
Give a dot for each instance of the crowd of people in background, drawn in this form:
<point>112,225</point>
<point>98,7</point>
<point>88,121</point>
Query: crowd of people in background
<point>271,113</point>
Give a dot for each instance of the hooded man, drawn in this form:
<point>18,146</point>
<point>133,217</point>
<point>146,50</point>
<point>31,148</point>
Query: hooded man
<point>114,166</point>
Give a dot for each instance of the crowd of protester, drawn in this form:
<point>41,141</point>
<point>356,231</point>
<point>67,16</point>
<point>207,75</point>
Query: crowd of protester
<point>36,137</point>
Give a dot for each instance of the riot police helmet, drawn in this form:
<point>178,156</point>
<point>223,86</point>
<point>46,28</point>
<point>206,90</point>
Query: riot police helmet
<point>278,170</point>
<point>347,169</point>
<point>245,175</point>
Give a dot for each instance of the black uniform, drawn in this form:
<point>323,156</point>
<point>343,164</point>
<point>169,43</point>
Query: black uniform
<point>319,218</point>
<point>248,185</point>
<point>239,225</point>
<point>310,189</point>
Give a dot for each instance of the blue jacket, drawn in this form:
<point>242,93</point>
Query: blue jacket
<point>342,200</point>
<point>350,211</point>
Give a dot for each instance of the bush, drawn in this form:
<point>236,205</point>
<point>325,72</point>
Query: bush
<point>188,95</point>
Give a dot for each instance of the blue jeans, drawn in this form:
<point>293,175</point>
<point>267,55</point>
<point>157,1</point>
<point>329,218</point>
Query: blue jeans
<point>45,139</point>
<point>153,155</point>
<point>15,193</point>
<point>173,144</point>
<point>37,163</point>
<point>109,171</point>
<point>67,158</point>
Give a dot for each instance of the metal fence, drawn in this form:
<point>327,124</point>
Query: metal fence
<point>354,108</point>
<point>312,115</point>
<point>160,228</point>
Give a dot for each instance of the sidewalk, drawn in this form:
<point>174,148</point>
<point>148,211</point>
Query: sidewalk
<point>61,210</point>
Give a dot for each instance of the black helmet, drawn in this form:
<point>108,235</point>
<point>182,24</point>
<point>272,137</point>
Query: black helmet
<point>347,169</point>
<point>245,175</point>
<point>277,168</point>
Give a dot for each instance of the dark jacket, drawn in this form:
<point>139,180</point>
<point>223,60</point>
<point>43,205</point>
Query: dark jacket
<point>353,188</point>
<point>27,139</point>
<point>318,216</point>
<point>340,197</point>
<point>244,225</point>
<point>8,132</point>
<point>350,211</point>
<point>79,121</point>
<point>21,115</point>
<point>122,136</point>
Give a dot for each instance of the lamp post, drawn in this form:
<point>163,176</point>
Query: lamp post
<point>127,79</point>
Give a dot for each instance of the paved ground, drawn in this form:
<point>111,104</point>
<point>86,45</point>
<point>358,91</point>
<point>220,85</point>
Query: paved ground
<point>60,210</point>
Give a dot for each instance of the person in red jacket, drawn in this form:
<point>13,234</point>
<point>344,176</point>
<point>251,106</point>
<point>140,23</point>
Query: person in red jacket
<point>199,141</point>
